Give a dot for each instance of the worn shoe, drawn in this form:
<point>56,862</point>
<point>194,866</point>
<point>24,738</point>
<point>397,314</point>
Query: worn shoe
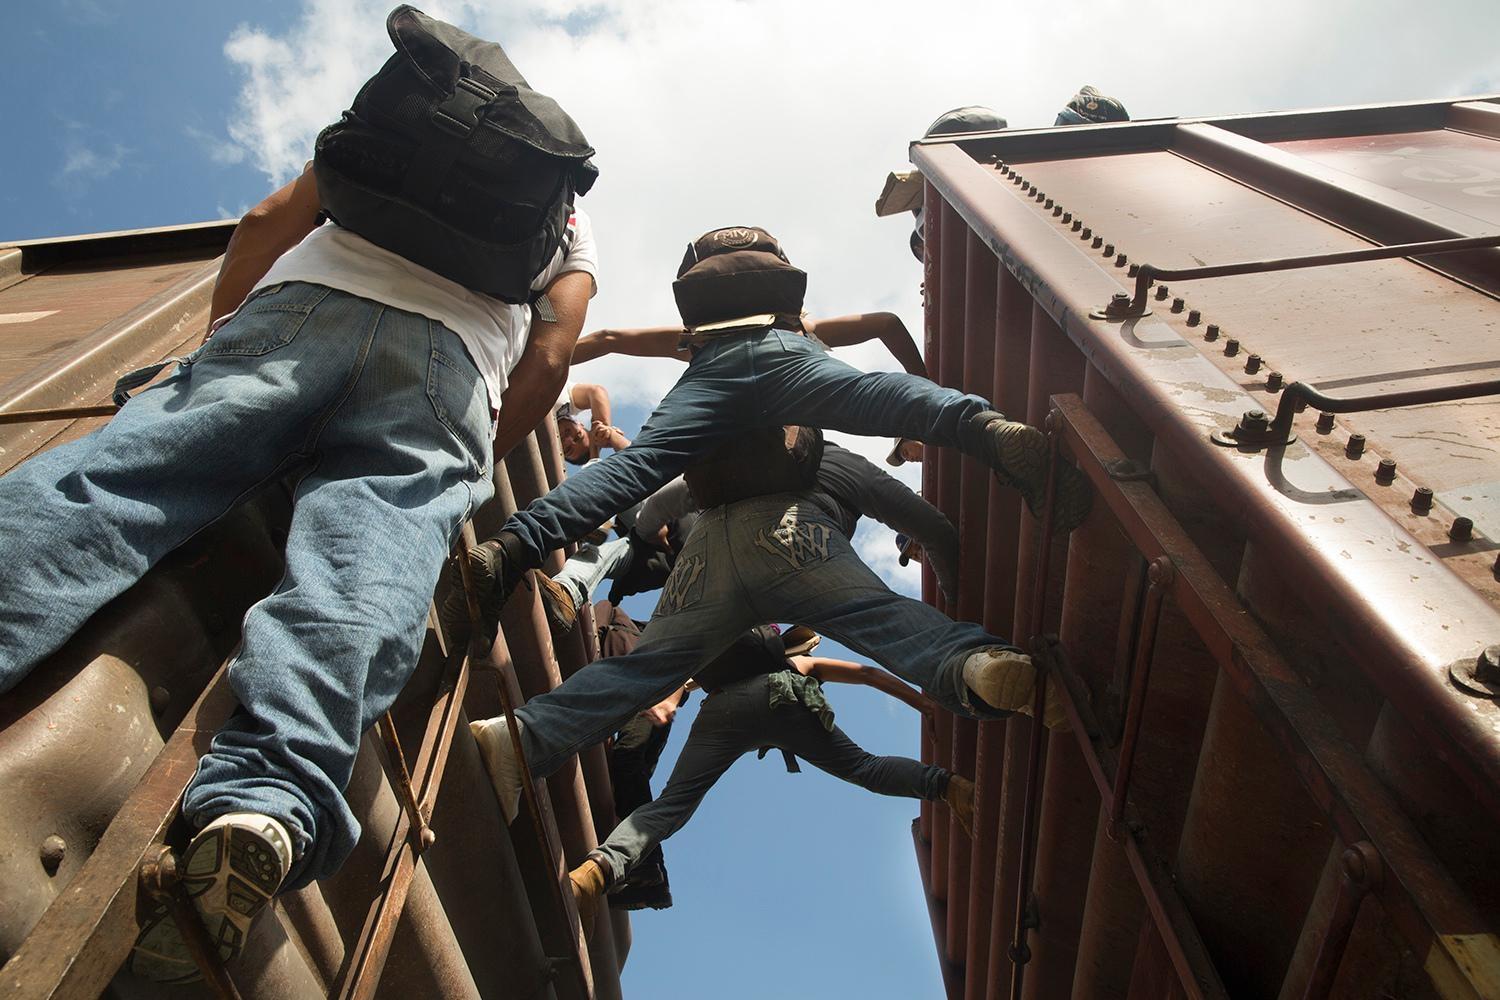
<point>655,896</point>
<point>1006,680</point>
<point>497,566</point>
<point>589,881</point>
<point>1018,454</point>
<point>230,870</point>
<point>499,756</point>
<point>960,798</point>
<point>562,613</point>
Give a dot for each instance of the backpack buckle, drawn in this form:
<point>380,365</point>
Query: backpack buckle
<point>459,115</point>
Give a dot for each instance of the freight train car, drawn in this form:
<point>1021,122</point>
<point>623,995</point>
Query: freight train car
<point>439,898</point>
<point>1272,344</point>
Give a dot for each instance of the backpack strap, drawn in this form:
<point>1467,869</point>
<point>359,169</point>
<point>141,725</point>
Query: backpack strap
<point>455,120</point>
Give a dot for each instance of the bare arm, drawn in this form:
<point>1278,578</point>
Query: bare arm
<point>538,378</point>
<point>594,398</point>
<point>843,672</point>
<point>647,342</point>
<point>266,232</point>
<point>846,331</point>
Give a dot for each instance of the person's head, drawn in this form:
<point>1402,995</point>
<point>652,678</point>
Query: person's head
<point>1089,107</point>
<point>575,440</point>
<point>734,278</point>
<point>973,118</point>
<point>905,450</point>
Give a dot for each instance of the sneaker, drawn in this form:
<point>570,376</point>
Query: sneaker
<point>589,881</point>
<point>1018,454</point>
<point>1006,680</point>
<point>499,756</point>
<point>230,870</point>
<point>960,798</point>
<point>562,613</point>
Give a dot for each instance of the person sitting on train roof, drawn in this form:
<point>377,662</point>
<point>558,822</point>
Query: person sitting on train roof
<point>761,693</point>
<point>769,547</point>
<point>388,386</point>
<point>583,439</point>
<point>854,485</point>
<point>752,365</point>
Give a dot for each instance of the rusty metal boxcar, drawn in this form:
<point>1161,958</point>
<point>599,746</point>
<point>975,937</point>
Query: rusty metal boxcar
<point>1278,628</point>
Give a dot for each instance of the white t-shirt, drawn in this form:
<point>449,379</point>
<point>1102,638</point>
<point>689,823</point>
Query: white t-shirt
<point>566,409</point>
<point>494,332</point>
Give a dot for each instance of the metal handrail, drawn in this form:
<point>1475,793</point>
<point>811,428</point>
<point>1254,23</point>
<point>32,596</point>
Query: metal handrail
<point>1149,274</point>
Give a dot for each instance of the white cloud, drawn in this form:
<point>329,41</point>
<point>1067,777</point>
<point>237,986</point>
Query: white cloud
<point>789,113</point>
<point>216,148</point>
<point>82,164</point>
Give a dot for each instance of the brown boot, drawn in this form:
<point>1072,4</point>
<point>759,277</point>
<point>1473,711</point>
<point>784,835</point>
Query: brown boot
<point>960,799</point>
<point>558,604</point>
<point>589,882</point>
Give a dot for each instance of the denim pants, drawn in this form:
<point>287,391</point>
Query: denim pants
<point>734,384</point>
<point>590,566</point>
<point>777,558</point>
<point>733,722</point>
<point>387,421</point>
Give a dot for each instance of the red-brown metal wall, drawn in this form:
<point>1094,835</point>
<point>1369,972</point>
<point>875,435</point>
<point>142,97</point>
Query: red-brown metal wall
<point>1272,788</point>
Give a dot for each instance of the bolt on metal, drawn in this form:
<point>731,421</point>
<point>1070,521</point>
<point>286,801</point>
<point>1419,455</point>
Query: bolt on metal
<point>1385,473</point>
<point>1193,317</point>
<point>1047,203</point>
<point>1086,234</point>
<point>1461,530</point>
<point>1133,270</point>
<point>1231,347</point>
<point>1356,445</point>
<point>1212,332</point>
<point>1252,364</point>
<point>52,852</point>
<point>1274,382</point>
<point>1120,260</point>
<point>1098,242</point>
<point>1057,210</point>
<point>1109,249</point>
<point>1068,217</point>
<point>1161,292</point>
<point>1325,422</point>
<point>1177,304</point>
<point>1421,500</point>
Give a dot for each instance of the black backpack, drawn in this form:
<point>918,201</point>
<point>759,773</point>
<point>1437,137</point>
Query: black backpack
<point>735,273</point>
<point>448,158</point>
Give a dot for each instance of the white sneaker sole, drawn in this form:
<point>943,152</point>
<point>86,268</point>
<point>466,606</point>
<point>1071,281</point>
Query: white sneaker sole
<point>498,754</point>
<point>230,871</point>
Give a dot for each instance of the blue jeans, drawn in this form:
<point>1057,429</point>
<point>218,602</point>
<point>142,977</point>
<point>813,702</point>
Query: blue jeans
<point>734,384</point>
<point>387,421</point>
<point>590,566</point>
<point>730,724</point>
<point>777,558</point>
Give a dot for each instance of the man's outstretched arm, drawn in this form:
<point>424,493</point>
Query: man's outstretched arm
<point>646,342</point>
<point>266,232</point>
<point>831,671</point>
<point>538,378</point>
<point>845,331</point>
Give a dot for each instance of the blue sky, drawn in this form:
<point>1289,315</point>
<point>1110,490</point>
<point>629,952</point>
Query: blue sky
<point>783,113</point>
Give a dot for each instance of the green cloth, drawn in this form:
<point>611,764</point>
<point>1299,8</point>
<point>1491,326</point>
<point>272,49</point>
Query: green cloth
<point>788,687</point>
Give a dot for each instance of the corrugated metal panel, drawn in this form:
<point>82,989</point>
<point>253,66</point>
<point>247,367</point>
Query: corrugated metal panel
<point>1273,787</point>
<point>97,743</point>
